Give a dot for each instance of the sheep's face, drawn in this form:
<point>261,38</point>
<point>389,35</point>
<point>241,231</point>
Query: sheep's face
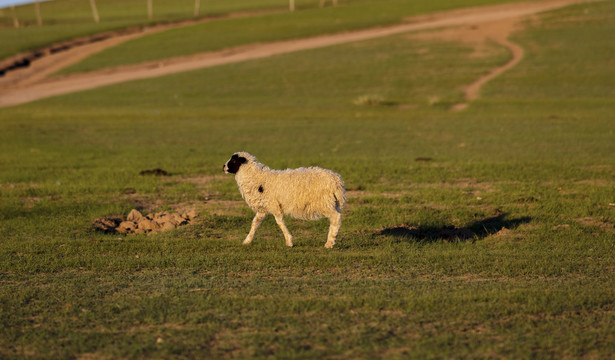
<point>234,163</point>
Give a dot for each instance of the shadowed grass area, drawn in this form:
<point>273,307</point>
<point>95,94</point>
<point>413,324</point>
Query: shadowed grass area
<point>483,233</point>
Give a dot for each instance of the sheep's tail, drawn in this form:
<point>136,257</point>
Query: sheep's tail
<point>340,195</point>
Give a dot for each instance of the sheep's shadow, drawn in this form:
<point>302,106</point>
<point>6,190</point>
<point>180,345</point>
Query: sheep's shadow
<point>477,230</point>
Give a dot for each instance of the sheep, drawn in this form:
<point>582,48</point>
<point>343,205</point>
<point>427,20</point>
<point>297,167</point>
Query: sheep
<point>303,193</point>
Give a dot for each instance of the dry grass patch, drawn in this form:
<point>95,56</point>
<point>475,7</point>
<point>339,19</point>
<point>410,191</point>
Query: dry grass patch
<point>602,225</point>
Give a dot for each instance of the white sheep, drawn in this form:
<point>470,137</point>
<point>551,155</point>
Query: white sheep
<point>304,193</point>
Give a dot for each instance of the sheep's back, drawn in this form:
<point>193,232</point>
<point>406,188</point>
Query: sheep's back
<point>308,193</point>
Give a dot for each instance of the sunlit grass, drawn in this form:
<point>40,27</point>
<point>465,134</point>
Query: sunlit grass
<point>482,233</point>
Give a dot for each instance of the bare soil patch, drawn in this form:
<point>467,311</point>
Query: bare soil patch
<point>33,87</point>
<point>602,225</point>
<point>137,223</point>
<point>145,219</point>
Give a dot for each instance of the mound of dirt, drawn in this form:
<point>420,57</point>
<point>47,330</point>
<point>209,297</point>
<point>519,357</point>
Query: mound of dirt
<point>137,223</point>
<point>107,224</point>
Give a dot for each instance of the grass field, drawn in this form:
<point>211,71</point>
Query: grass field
<point>273,27</point>
<point>500,243</point>
<point>65,19</point>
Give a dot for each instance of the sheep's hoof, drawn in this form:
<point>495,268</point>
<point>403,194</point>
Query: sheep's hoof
<point>289,241</point>
<point>247,242</point>
<point>329,245</point>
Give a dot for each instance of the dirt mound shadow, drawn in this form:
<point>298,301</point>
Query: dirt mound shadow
<point>477,230</point>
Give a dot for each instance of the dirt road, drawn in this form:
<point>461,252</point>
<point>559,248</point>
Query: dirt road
<point>36,86</point>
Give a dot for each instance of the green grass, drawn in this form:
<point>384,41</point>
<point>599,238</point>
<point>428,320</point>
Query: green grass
<point>218,35</point>
<point>66,19</point>
<point>528,169</point>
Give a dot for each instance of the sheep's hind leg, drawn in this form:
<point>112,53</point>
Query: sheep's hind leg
<point>256,222</point>
<point>289,238</point>
<point>335,222</point>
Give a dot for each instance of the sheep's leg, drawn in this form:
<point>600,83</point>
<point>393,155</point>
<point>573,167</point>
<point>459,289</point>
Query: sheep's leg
<point>280,220</point>
<point>335,222</point>
<point>256,222</point>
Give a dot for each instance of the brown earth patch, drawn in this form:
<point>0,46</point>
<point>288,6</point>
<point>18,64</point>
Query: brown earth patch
<point>181,213</point>
<point>476,36</point>
<point>602,225</point>
<point>107,224</point>
<point>137,223</point>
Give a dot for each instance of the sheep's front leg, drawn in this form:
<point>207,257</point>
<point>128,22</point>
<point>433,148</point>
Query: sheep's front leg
<point>256,222</point>
<point>335,222</point>
<point>280,220</point>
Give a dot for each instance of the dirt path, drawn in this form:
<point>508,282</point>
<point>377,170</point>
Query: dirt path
<point>56,57</point>
<point>497,32</point>
<point>36,86</point>
<point>500,37</point>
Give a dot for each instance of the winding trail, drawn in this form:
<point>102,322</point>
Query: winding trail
<point>37,86</point>
<point>499,36</point>
<point>473,90</point>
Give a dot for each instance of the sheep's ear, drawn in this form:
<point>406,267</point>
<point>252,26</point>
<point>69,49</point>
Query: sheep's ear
<point>240,159</point>
<point>235,163</point>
